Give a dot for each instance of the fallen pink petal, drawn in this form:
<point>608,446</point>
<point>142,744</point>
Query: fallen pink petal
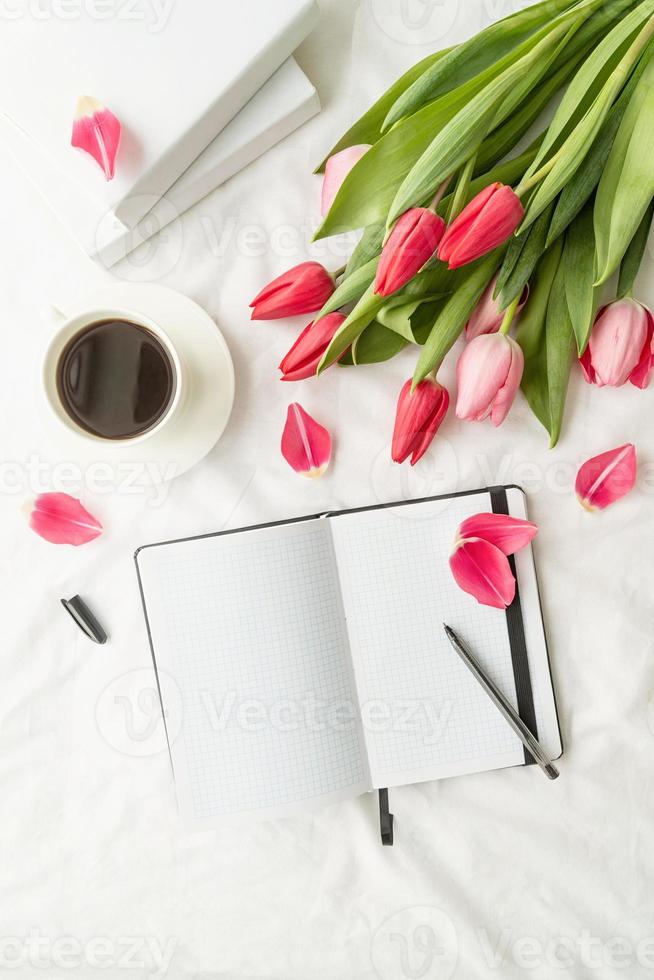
<point>96,131</point>
<point>606,478</point>
<point>336,170</point>
<point>61,519</point>
<point>306,445</point>
<point>483,571</point>
<point>509,534</point>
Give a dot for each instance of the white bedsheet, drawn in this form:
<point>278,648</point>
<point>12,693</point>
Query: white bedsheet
<point>497,875</point>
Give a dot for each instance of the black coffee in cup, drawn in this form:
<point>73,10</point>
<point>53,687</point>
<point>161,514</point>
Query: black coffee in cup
<point>115,379</point>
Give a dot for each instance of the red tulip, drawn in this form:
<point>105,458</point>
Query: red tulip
<point>410,245</point>
<point>485,223</point>
<point>303,289</point>
<point>620,346</point>
<point>419,414</point>
<point>305,354</point>
<point>488,375</point>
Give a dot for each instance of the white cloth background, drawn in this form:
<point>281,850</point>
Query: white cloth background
<point>491,875</point>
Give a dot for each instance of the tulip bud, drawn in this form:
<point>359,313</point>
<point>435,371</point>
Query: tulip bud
<point>487,316</point>
<point>410,246</point>
<point>620,347</point>
<point>303,289</point>
<point>488,374</point>
<point>418,416</point>
<point>485,223</point>
<point>336,170</point>
<point>305,354</point>
<point>606,478</point>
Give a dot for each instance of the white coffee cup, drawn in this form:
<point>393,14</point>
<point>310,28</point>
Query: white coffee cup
<point>66,328</point>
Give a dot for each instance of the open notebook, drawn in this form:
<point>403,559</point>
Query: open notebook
<point>310,661</point>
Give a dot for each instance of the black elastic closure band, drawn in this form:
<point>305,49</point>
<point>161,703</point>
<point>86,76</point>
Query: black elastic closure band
<point>516,629</point>
<point>385,819</point>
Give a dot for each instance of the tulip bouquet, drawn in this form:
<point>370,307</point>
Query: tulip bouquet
<point>478,219</point>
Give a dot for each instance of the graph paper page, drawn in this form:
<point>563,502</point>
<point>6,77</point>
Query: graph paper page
<point>424,715</point>
<point>249,630</point>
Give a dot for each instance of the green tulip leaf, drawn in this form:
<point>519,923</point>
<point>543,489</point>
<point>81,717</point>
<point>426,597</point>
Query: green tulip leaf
<point>626,187</point>
<point>579,276</point>
<point>473,56</point>
<point>376,343</point>
<point>367,129</point>
<point>517,268</point>
<point>560,348</point>
<point>351,289</point>
<point>531,335</point>
<point>634,255</point>
<point>455,313</point>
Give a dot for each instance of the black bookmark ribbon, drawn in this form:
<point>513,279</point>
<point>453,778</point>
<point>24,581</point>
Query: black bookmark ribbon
<point>517,642</point>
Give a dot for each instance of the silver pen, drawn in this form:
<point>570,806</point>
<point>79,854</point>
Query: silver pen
<point>505,707</point>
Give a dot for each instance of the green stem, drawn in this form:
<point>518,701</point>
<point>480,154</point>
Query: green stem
<point>338,272</point>
<point>510,314</point>
<point>462,188</point>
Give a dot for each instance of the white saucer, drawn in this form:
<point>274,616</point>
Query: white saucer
<point>189,437</point>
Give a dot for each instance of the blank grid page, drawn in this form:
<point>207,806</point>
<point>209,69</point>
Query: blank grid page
<point>251,628</point>
<point>424,715</point>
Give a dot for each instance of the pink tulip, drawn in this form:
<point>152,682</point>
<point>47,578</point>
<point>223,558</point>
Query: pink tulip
<point>483,571</point>
<point>336,170</point>
<point>487,316</point>
<point>306,445</point>
<point>409,247</point>
<point>305,354</point>
<point>620,347</point>
<point>303,289</point>
<point>509,534</point>
<point>606,478</point>
<point>488,374</point>
<point>419,414</point>
<point>485,223</point>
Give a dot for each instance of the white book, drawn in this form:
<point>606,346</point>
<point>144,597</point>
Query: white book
<point>174,85</point>
<point>310,662</point>
<point>282,104</point>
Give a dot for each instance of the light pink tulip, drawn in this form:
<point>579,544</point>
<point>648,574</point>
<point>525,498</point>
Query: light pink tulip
<point>419,414</point>
<point>306,445</point>
<point>336,170</point>
<point>509,534</point>
<point>483,571</point>
<point>488,374</point>
<point>620,347</point>
<point>487,316</point>
<point>606,478</point>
